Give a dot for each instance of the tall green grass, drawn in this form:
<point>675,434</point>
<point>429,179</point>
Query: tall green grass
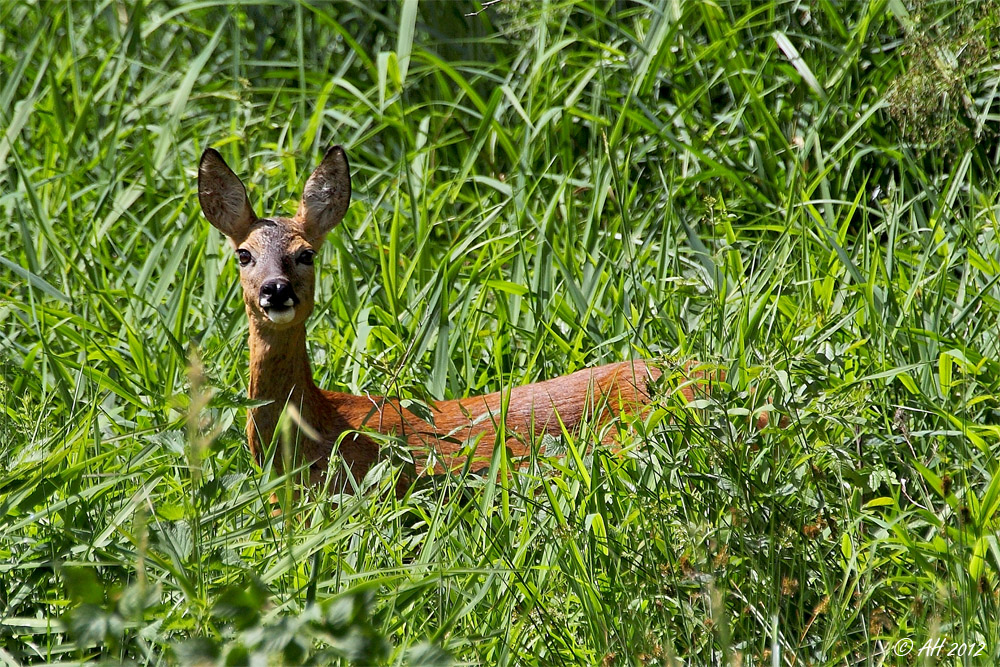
<point>799,194</point>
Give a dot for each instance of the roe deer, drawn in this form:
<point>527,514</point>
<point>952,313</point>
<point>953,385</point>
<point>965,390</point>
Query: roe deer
<point>276,271</point>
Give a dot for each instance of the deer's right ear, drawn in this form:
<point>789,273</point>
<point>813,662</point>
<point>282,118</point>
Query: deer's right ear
<point>223,197</point>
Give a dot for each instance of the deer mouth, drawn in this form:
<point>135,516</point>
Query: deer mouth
<point>279,313</point>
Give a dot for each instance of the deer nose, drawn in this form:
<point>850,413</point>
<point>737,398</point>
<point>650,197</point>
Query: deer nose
<point>277,293</point>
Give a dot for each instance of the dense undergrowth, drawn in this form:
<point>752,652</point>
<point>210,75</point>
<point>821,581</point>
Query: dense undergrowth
<point>801,194</point>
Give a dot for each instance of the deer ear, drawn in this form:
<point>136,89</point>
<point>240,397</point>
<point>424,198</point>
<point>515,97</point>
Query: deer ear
<point>327,195</point>
<point>223,197</point>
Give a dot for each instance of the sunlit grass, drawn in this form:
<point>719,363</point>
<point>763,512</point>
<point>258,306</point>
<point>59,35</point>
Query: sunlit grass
<point>539,187</point>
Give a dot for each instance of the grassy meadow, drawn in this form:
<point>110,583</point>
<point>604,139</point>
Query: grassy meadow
<point>802,194</point>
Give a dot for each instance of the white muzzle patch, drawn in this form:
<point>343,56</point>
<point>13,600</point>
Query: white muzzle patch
<point>283,316</point>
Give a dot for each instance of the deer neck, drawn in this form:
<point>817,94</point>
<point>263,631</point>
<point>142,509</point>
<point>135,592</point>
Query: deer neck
<point>279,373</point>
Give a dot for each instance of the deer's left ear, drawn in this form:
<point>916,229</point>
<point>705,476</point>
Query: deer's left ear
<point>326,196</point>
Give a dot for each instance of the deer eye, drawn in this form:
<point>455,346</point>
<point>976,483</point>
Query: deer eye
<point>306,257</point>
<point>243,256</point>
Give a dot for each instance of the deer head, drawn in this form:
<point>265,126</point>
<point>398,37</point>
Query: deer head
<point>276,254</point>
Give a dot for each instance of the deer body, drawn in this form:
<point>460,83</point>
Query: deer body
<point>281,374</point>
<point>276,257</point>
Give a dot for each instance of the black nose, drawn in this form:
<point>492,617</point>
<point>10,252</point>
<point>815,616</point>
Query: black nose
<point>277,293</point>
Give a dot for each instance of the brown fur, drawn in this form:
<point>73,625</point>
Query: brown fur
<point>280,370</point>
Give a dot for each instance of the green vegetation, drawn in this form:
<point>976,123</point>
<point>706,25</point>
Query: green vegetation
<point>801,194</point>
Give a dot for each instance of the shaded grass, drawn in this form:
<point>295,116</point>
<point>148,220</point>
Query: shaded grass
<point>542,189</point>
